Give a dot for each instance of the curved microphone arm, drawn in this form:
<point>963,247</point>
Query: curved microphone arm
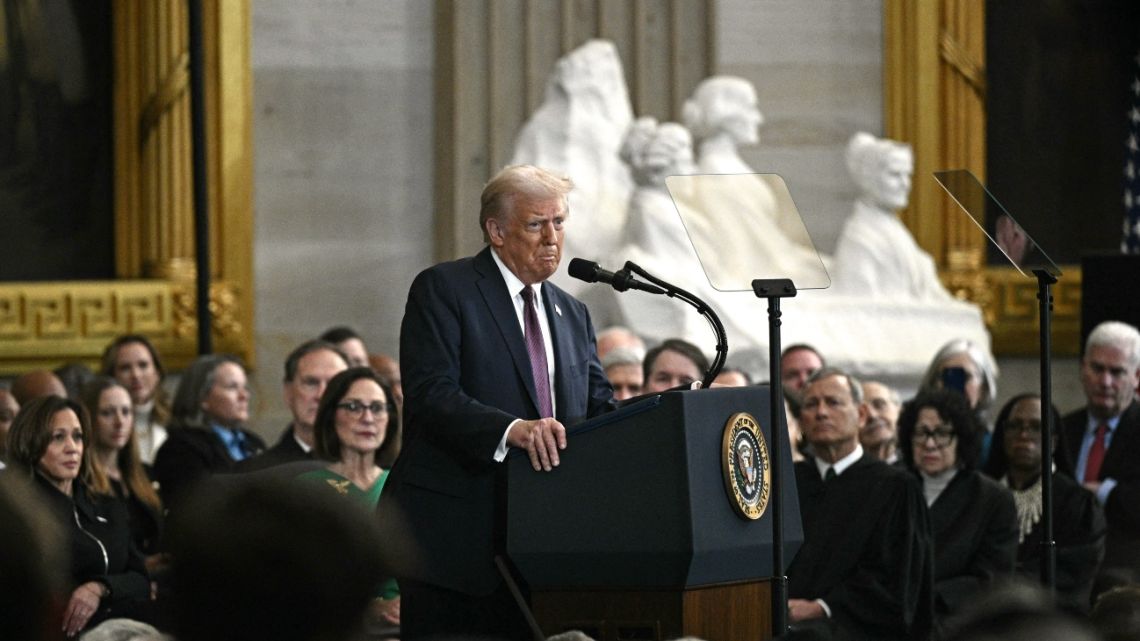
<point>718,328</point>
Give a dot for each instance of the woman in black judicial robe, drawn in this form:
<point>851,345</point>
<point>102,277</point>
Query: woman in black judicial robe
<point>1078,521</point>
<point>972,518</point>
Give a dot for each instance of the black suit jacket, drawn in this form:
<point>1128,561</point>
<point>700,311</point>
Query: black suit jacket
<point>190,455</point>
<point>466,376</point>
<point>1122,463</point>
<point>285,450</point>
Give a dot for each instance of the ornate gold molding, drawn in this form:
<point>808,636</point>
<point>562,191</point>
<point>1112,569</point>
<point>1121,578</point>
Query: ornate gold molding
<point>935,100</point>
<point>47,324</point>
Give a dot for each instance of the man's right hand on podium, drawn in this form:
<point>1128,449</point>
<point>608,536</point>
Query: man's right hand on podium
<point>541,439</point>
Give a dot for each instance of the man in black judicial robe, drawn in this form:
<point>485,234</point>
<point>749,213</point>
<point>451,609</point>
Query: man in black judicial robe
<point>865,570</point>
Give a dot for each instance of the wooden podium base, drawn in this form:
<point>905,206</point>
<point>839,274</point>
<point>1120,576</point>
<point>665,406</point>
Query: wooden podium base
<point>727,612</point>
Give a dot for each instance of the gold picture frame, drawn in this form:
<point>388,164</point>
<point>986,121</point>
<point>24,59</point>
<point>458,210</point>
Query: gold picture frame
<point>935,89</point>
<point>45,324</point>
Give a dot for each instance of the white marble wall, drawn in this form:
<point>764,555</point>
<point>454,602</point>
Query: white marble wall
<point>343,173</point>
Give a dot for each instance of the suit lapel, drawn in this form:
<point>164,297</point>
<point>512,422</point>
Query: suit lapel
<point>495,295</point>
<point>1121,447</point>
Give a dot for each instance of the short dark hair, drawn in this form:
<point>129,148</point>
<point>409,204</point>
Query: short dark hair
<point>293,360</point>
<point>682,347</point>
<point>803,347</point>
<point>952,407</point>
<point>339,334</point>
<point>997,464</point>
<point>326,443</point>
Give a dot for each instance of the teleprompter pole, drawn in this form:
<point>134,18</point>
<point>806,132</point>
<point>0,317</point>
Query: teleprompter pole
<point>774,289</point>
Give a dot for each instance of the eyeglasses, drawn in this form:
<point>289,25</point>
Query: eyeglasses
<point>356,408</point>
<point>1030,427</point>
<point>942,436</point>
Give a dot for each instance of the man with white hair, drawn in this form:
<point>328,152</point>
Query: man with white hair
<point>1104,444</point>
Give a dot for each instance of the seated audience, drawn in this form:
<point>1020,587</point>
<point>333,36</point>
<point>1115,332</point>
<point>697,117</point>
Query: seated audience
<point>36,383</point>
<point>972,518</point>
<point>1078,523</point>
<point>732,377</point>
<point>797,363</point>
<point>1116,615</point>
<point>1103,441</point>
<point>864,570</point>
<point>356,422</point>
<point>133,361</point>
<point>349,343</point>
<point>879,434</point>
<point>795,435</point>
<point>207,433</point>
<point>968,369</point>
<point>107,575</point>
<point>671,364</point>
<point>619,337</point>
<point>124,630</point>
<point>74,376</point>
<point>33,566</point>
<point>1014,611</point>
<point>389,369</point>
<point>8,409</point>
<point>308,370</point>
<point>114,449</point>
<point>623,369</point>
<point>256,560</point>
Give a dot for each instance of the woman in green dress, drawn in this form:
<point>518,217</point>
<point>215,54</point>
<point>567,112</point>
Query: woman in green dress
<point>355,426</point>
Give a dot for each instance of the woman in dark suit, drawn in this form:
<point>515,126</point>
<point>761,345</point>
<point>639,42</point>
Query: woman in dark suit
<point>1078,521</point>
<point>47,442</point>
<point>972,518</point>
<point>208,434</point>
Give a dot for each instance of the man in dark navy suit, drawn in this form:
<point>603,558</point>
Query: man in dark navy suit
<point>1103,441</point>
<point>493,358</point>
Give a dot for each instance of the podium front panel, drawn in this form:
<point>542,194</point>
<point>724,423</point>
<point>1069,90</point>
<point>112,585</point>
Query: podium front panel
<point>641,502</point>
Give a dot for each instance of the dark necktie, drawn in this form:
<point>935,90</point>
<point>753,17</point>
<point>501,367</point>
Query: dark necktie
<point>536,349</point>
<point>830,474</point>
<point>1096,455</point>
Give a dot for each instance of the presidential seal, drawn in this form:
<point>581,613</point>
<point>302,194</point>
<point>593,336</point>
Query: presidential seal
<point>744,459</point>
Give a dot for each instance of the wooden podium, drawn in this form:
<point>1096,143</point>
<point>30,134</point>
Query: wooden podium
<point>635,536</point>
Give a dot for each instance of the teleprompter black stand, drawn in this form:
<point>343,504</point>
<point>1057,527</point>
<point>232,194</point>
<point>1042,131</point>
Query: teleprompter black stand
<point>1013,241</point>
<point>774,289</point>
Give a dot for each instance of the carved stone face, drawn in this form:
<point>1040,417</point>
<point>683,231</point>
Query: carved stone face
<point>737,113</point>
<point>890,188</point>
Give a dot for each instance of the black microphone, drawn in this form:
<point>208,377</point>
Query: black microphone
<point>622,280</point>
